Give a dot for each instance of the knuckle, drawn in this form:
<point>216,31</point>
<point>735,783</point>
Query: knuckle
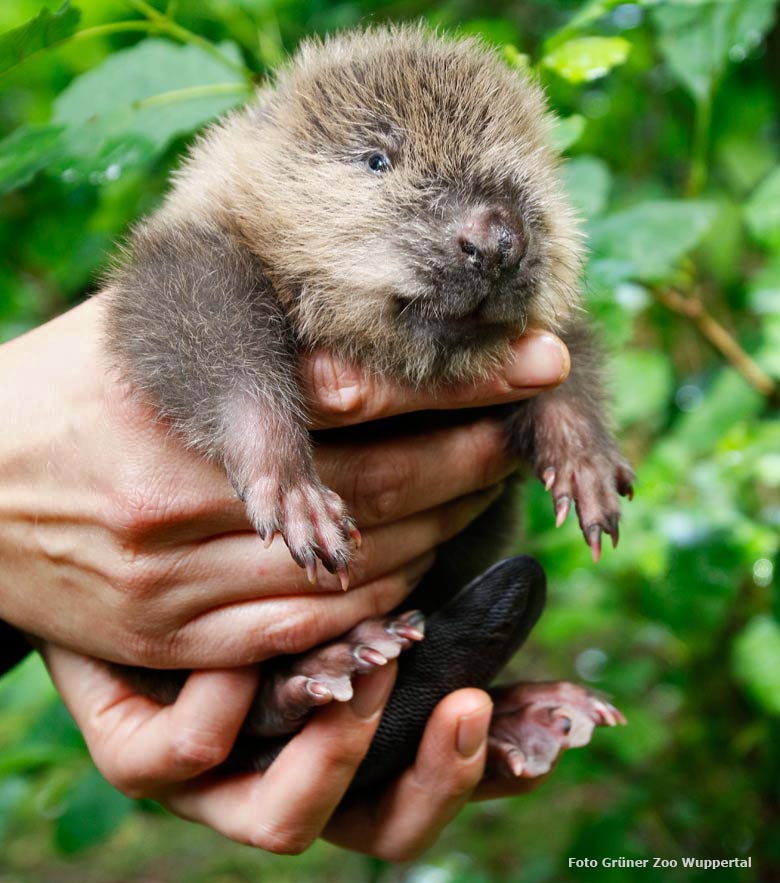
<point>342,756</point>
<point>192,748</point>
<point>137,505</point>
<point>293,633</point>
<point>381,486</point>
<point>128,782</point>
<point>136,577</point>
<point>279,839</point>
<point>147,640</point>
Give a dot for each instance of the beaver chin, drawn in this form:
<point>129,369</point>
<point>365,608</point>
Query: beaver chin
<point>469,325</point>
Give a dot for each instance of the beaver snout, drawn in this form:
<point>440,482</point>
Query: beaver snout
<point>491,241</point>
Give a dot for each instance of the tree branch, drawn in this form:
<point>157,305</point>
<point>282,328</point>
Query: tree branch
<point>693,308</point>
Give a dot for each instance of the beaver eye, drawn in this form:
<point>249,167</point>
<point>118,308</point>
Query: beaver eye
<point>378,163</point>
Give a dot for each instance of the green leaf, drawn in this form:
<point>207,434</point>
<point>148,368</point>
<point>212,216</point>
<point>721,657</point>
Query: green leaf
<point>762,211</point>
<point>567,131</point>
<point>764,292</point>
<point>653,235</point>
<point>94,811</point>
<point>645,370</point>
<point>768,354</point>
<point>14,791</point>
<point>150,93</point>
<point>587,58</point>
<point>729,400</point>
<point>587,181</point>
<point>516,59</point>
<point>755,661</point>
<point>26,152</point>
<point>698,39</point>
<point>44,30</point>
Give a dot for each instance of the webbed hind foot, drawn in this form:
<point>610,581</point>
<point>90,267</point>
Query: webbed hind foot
<point>292,688</point>
<point>533,722</point>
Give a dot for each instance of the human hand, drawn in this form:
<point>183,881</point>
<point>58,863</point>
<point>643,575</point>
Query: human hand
<point>166,752</point>
<point>118,543</point>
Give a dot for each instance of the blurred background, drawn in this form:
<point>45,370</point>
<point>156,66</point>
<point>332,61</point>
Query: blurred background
<point>670,124</point>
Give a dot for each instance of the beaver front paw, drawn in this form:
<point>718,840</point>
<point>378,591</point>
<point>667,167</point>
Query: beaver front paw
<point>593,481</point>
<point>533,722</point>
<point>312,520</point>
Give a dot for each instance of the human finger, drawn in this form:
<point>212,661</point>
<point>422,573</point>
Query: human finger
<point>385,481</point>
<point>380,481</point>
<point>284,809</point>
<point>340,394</point>
<point>195,581</point>
<point>241,633</point>
<point>426,797</point>
<point>139,745</point>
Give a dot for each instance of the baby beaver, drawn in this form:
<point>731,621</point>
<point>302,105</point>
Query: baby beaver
<point>393,198</point>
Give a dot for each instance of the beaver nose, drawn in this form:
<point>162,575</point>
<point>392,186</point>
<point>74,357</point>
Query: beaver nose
<point>491,241</point>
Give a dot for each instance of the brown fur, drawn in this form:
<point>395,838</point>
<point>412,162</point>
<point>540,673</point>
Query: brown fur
<point>277,237</point>
<point>285,176</point>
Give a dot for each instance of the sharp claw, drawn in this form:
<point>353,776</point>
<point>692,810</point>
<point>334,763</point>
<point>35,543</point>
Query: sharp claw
<point>355,536</point>
<point>318,690</point>
<point>515,760</point>
<point>613,529</point>
<point>368,655</point>
<point>549,477</point>
<point>267,540</point>
<point>617,714</point>
<point>609,714</point>
<point>343,575</point>
<point>562,507</point>
<point>311,571</point>
<point>410,626</point>
<point>593,539</point>
<point>402,630</point>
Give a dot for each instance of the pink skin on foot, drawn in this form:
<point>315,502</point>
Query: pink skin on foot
<point>323,675</point>
<point>595,488</point>
<point>312,520</point>
<point>533,722</point>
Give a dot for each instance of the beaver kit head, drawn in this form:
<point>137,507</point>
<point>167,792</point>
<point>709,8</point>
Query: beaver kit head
<point>400,190</point>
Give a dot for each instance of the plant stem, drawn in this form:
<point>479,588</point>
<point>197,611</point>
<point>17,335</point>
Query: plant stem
<point>190,93</point>
<point>692,308</point>
<point>701,139</point>
<point>168,26</point>
<point>116,27</point>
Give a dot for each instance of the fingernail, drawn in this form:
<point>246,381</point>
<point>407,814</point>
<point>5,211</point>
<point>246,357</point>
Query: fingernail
<point>539,359</point>
<point>337,384</point>
<point>371,691</point>
<point>472,730</point>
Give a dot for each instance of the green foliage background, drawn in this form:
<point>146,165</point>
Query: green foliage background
<point>671,124</point>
